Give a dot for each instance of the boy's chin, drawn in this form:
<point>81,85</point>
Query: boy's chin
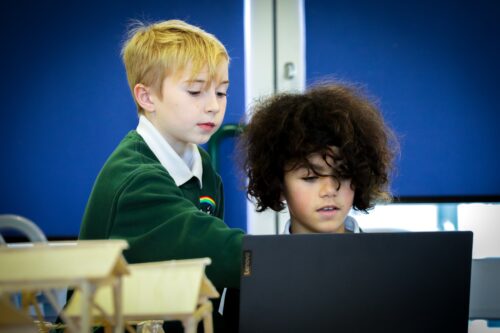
<point>202,141</point>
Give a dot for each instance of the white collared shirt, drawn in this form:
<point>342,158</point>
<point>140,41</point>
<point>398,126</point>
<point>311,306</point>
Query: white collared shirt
<point>182,169</point>
<point>350,224</point>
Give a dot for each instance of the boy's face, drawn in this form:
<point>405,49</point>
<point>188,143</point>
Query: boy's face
<point>317,203</point>
<point>190,110</point>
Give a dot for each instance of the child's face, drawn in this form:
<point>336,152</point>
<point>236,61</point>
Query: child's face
<point>190,110</point>
<point>317,204</point>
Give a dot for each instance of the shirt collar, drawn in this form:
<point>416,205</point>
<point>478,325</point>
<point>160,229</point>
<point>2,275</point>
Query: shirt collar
<point>350,224</point>
<point>180,169</point>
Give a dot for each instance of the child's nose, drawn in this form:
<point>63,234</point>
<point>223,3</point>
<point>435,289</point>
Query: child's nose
<point>212,103</point>
<point>329,186</point>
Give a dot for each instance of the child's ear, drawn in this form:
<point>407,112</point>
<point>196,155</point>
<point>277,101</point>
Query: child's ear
<point>143,97</point>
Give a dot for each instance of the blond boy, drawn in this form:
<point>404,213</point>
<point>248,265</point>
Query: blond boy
<point>158,190</point>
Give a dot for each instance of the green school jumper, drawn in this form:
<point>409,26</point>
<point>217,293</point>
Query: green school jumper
<point>134,198</point>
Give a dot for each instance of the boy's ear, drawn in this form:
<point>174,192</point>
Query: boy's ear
<point>142,95</point>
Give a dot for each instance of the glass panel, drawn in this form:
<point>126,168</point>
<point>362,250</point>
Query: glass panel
<point>481,218</point>
<point>410,217</point>
<point>484,220</point>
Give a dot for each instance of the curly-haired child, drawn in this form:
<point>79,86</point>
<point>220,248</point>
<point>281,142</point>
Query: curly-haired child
<point>320,153</point>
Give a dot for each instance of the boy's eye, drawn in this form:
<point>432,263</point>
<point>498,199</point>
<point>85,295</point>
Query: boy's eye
<point>194,92</point>
<point>221,93</point>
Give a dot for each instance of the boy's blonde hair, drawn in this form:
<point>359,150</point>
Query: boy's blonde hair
<point>166,48</point>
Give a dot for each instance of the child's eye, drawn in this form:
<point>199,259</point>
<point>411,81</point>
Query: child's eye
<point>221,94</point>
<point>344,177</point>
<point>194,92</point>
<point>309,179</point>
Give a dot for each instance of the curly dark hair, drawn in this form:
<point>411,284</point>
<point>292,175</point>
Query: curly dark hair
<point>287,128</point>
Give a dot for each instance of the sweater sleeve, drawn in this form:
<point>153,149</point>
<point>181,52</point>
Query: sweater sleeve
<point>159,223</point>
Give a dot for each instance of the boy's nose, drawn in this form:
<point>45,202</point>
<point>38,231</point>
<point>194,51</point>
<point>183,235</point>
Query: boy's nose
<point>329,186</point>
<point>212,103</point>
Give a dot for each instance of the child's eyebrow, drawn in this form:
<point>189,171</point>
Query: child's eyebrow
<point>322,169</point>
<point>319,167</point>
<point>205,81</point>
<point>196,81</point>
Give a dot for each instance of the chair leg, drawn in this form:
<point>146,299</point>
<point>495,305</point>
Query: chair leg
<point>189,325</point>
<point>208,326</point>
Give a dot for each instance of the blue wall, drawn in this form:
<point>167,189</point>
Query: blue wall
<point>434,66</point>
<point>66,103</point>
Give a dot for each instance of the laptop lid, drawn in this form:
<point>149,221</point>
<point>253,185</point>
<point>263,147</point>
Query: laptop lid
<point>345,283</point>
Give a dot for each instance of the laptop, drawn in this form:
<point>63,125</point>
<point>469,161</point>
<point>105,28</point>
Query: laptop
<point>404,282</point>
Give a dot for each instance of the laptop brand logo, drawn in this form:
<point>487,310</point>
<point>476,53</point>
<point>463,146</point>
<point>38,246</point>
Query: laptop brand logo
<point>247,263</point>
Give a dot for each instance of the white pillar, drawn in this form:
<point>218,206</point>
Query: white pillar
<point>274,62</point>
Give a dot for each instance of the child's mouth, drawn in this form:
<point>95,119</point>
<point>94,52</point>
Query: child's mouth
<point>328,209</point>
<point>206,126</point>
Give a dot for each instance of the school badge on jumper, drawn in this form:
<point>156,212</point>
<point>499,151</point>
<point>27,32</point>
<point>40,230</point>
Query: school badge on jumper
<point>207,205</point>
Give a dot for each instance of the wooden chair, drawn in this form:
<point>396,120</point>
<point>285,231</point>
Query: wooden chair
<point>159,291</point>
<point>83,265</point>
